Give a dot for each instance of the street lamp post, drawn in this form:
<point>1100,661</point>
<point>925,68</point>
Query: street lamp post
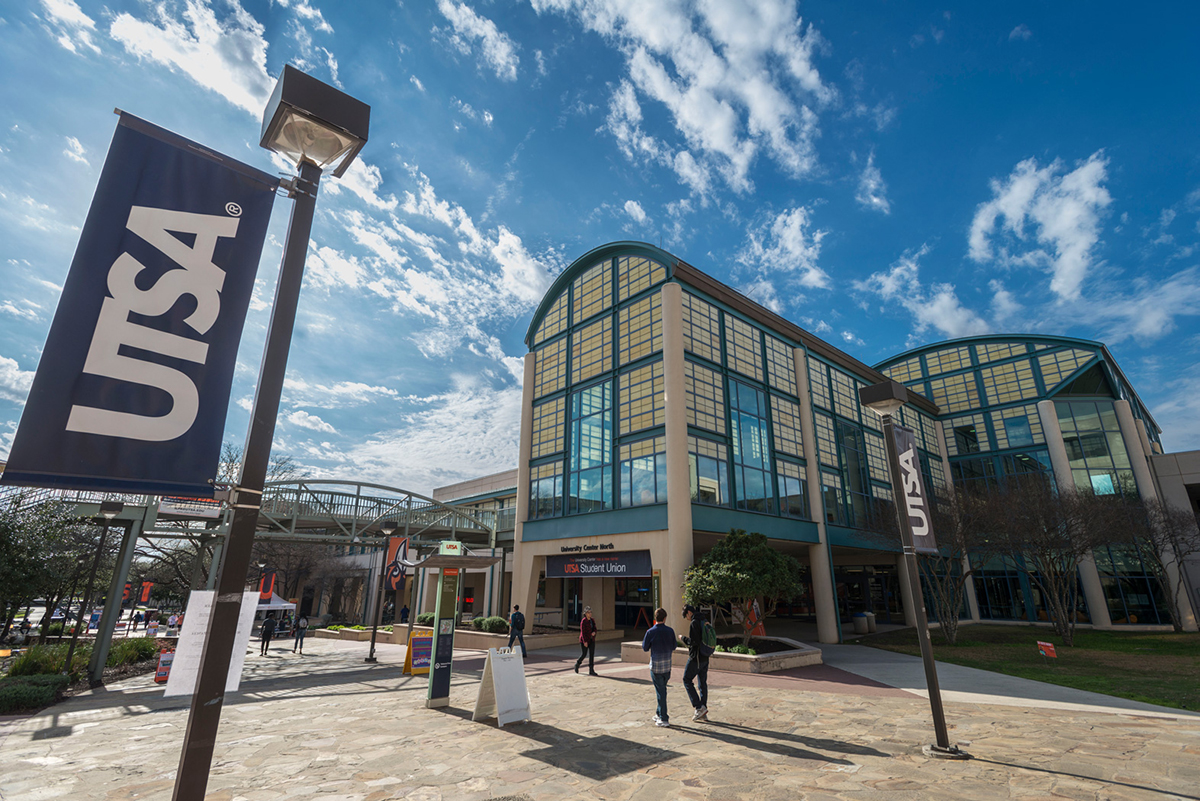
<point>315,126</point>
<point>885,400</point>
<point>108,510</point>
<point>388,527</point>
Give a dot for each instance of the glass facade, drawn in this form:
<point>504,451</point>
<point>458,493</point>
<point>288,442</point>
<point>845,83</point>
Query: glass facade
<point>749,434</point>
<point>591,486</point>
<point>1095,449</point>
<point>708,469</point>
<point>643,468</point>
<point>642,399</point>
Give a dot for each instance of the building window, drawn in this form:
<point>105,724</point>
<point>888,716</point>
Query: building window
<point>1095,448</point>
<point>781,365</point>
<point>701,328</point>
<point>947,361</point>
<point>818,383</point>
<point>743,348</point>
<point>994,353</point>
<point>1134,594</point>
<point>708,472</point>
<point>545,490</point>
<point>705,395</point>
<point>640,329</point>
<point>854,472</point>
<point>785,421</point>
<point>555,321</point>
<point>548,428</point>
<point>591,351</point>
<point>793,490</point>
<point>1060,364</point>
<point>975,475</point>
<point>905,372</point>
<point>592,292</point>
<point>642,398</point>
<point>591,487</point>
<point>845,395</point>
<point>1028,432</point>
<point>1018,432</point>
<point>831,497</point>
<point>877,464</point>
<point>966,438</point>
<point>955,394</point>
<point>1008,383</point>
<point>643,467</point>
<point>550,368</point>
<point>635,274</point>
<point>826,446</point>
<point>751,465</point>
<point>999,591</point>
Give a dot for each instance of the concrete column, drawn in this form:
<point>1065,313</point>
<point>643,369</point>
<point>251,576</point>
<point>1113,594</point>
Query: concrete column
<point>1089,576</point>
<point>972,599</point>
<point>525,577</point>
<point>593,596</point>
<point>112,606</point>
<point>680,553</point>
<point>819,563</point>
<point>1139,460</point>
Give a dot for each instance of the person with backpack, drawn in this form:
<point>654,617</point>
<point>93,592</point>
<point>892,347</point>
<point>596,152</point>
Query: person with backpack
<point>701,642</point>
<point>301,630</point>
<point>660,642</point>
<point>516,628</point>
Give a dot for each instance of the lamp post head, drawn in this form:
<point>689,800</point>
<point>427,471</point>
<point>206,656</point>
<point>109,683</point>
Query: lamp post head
<point>389,526</point>
<point>884,399</point>
<point>110,509</point>
<point>308,120</point>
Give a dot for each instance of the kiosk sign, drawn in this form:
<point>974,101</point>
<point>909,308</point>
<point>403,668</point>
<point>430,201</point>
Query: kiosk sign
<point>443,635</point>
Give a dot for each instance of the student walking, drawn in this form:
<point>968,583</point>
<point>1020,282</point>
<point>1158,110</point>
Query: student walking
<point>697,664</point>
<point>301,630</point>
<point>268,628</point>
<point>660,642</point>
<point>516,628</point>
<point>587,642</point>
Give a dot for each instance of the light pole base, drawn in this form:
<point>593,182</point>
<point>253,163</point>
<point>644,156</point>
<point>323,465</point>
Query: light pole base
<point>937,752</point>
<point>371,659</point>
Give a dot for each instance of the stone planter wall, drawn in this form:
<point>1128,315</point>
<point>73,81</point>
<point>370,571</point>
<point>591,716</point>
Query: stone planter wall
<point>481,641</point>
<point>801,655</point>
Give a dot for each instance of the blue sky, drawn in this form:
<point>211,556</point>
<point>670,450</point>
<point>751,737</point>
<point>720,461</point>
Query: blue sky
<point>884,174</point>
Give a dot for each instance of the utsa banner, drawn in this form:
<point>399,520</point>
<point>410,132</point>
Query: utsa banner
<point>133,385</point>
<point>146,587</point>
<point>916,499</point>
<point>395,572</point>
<point>266,586</point>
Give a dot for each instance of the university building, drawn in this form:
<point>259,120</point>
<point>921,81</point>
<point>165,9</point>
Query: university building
<point>661,409</point>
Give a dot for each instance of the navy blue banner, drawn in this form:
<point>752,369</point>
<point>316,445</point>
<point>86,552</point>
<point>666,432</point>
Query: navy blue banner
<point>621,564</point>
<point>916,497</point>
<point>133,385</point>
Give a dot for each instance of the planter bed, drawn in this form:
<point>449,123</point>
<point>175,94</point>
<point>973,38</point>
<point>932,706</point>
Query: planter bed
<point>355,635</point>
<point>481,641</point>
<point>797,655</point>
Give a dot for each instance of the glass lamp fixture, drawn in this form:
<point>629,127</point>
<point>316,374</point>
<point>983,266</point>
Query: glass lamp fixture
<point>884,399</point>
<point>307,120</point>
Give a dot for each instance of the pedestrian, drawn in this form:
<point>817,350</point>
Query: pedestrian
<point>697,664</point>
<point>660,642</point>
<point>268,628</point>
<point>516,628</point>
<point>404,614</point>
<point>172,620</point>
<point>587,642</point>
<point>137,620</point>
<point>301,629</point>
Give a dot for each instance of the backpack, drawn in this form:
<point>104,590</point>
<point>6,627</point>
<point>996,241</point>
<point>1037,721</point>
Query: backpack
<point>518,621</point>
<point>708,640</point>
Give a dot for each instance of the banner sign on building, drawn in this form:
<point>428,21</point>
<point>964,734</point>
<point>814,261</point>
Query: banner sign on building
<point>618,564</point>
<point>133,385</point>
<point>189,507</point>
<point>395,571</point>
<point>916,497</point>
<point>266,587</point>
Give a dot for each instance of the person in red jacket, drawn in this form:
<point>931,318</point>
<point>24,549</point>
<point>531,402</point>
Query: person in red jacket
<point>587,642</point>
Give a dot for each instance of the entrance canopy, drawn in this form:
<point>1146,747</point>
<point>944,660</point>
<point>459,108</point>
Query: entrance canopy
<point>275,604</point>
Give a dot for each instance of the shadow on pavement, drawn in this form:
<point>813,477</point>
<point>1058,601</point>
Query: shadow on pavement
<point>811,742</point>
<point>1082,777</point>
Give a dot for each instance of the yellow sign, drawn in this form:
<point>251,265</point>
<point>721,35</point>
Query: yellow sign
<point>417,655</point>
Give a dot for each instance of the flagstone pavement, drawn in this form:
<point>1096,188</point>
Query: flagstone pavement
<point>327,726</point>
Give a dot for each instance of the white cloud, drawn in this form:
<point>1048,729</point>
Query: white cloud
<point>226,55</point>
<point>329,268</point>
<point>303,419</point>
<point>1064,212</point>
<point>1004,306</point>
<point>1179,412</point>
<point>498,51</point>
<point>26,310</point>
<point>853,339</point>
<point>415,81</point>
<point>75,151</point>
<point>763,292</point>
<point>634,210</point>
<point>306,12</point>
<point>787,245</point>
<point>72,28</point>
<point>364,180</point>
<point>736,76</point>
<point>1021,32</point>
<point>14,382</point>
<point>340,394</point>
<point>872,191</point>
<point>1144,310</point>
<point>937,306</point>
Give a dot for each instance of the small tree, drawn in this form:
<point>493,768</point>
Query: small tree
<point>740,569</point>
<point>963,547</point>
<point>1166,536</point>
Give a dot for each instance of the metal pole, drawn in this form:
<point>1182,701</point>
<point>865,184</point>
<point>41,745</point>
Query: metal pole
<point>87,599</point>
<point>378,603</point>
<point>191,780</point>
<point>915,596</point>
<point>112,608</point>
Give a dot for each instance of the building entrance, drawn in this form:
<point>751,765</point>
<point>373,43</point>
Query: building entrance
<point>869,588</point>
<point>573,600</point>
<point>634,604</point>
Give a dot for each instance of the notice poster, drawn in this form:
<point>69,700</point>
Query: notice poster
<point>185,671</point>
<point>420,652</point>
<point>503,693</point>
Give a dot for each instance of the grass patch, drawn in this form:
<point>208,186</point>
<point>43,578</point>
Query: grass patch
<point>1153,667</point>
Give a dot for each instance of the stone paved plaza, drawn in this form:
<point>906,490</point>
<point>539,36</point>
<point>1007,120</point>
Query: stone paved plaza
<point>326,726</point>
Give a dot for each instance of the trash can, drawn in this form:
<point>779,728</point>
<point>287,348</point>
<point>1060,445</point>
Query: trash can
<point>870,616</point>
<point>860,623</point>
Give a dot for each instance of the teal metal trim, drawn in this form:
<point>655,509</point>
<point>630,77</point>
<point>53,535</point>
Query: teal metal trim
<point>845,537</point>
<point>989,339</point>
<point>597,524</point>
<point>721,520</point>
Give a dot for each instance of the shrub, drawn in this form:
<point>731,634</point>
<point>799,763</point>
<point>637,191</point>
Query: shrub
<point>54,630</point>
<point>477,623</point>
<point>493,624</point>
<point>425,619</point>
<point>21,693</point>
<point>720,649</point>
<point>335,627</point>
<point>41,660</point>
<point>358,628</point>
<point>388,629</point>
<point>743,649</point>
<point>129,651</point>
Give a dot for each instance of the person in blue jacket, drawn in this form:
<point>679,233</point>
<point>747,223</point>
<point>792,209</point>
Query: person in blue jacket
<point>660,642</point>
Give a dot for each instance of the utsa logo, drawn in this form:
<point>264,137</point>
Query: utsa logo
<point>912,493</point>
<point>198,278</point>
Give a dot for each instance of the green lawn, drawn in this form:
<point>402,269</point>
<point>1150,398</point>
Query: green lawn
<point>1154,667</point>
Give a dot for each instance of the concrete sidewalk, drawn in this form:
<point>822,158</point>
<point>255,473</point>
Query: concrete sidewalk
<point>972,686</point>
